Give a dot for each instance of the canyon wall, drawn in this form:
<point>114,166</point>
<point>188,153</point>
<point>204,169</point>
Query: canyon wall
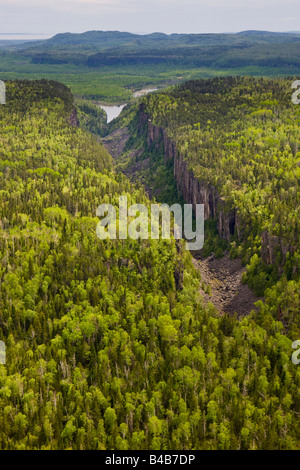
<point>73,119</point>
<point>195,191</point>
<point>271,245</point>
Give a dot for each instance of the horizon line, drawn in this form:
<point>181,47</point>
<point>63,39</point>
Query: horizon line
<point>50,35</point>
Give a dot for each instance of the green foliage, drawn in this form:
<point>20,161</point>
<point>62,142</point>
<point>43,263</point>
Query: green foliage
<point>103,352</point>
<point>241,136</point>
<point>91,117</point>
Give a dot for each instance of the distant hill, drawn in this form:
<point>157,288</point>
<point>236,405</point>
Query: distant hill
<point>108,65</point>
<point>221,51</point>
<point>102,40</point>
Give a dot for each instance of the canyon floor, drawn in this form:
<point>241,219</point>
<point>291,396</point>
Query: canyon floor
<point>115,142</point>
<point>223,275</point>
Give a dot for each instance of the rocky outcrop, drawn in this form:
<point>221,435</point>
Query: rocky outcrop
<point>274,250</point>
<point>193,190</point>
<point>73,119</point>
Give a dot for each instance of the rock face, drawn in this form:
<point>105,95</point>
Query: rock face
<point>193,190</point>
<point>271,247</point>
<point>73,120</point>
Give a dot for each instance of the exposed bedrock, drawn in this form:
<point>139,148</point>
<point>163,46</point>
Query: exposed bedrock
<point>195,191</point>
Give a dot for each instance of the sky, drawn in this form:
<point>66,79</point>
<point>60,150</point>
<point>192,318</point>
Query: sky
<point>49,17</point>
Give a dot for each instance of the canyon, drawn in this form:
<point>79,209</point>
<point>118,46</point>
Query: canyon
<point>195,191</point>
<point>221,277</point>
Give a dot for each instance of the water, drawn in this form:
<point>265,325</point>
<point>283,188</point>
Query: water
<point>23,37</point>
<point>112,111</point>
<point>145,91</point>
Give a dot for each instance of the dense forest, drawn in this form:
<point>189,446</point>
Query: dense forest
<point>108,343</point>
<point>241,136</point>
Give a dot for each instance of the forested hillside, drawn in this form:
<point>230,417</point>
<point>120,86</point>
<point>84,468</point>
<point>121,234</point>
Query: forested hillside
<point>108,343</point>
<point>239,139</point>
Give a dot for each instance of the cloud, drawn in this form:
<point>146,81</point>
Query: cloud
<point>141,4</point>
<point>61,4</point>
<point>52,16</point>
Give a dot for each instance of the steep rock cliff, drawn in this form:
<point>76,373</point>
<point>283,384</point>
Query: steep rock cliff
<point>73,119</point>
<point>274,251</point>
<point>193,190</point>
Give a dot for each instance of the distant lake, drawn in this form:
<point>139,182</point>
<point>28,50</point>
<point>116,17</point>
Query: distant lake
<point>23,37</point>
<point>112,111</point>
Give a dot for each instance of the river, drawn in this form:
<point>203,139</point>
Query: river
<point>145,91</point>
<point>114,111</point>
